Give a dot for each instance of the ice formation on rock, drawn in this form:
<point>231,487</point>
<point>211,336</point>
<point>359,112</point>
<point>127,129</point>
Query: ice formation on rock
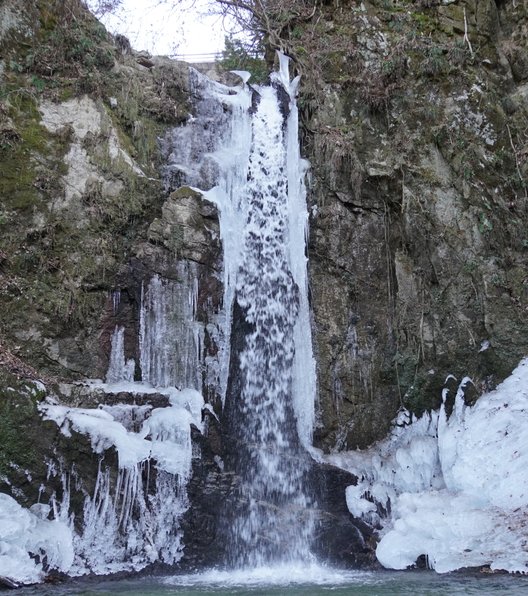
<point>126,525</point>
<point>119,368</point>
<point>454,489</point>
<point>30,544</point>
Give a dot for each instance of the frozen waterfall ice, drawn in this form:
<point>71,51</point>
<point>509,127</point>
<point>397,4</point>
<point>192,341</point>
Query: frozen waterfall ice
<point>249,165</point>
<point>451,487</point>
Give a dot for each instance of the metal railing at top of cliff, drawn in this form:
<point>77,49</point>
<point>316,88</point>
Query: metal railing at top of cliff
<point>198,58</point>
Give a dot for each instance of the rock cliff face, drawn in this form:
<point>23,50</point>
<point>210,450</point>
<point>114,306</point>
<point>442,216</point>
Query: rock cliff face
<point>86,225</point>
<point>80,117</point>
<point>414,120</point>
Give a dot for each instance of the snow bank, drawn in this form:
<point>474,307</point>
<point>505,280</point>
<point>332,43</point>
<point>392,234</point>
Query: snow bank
<point>454,530</point>
<point>407,461</point>
<point>456,488</point>
<point>484,448</point>
<point>24,533</point>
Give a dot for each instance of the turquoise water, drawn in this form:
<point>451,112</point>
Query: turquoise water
<point>422,583</point>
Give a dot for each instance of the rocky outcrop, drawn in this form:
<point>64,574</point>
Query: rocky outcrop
<point>80,123</point>
<point>414,118</point>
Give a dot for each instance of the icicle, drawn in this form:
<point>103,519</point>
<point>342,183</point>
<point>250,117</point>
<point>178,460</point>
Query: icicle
<point>119,369</point>
<point>116,300</point>
<point>169,353</point>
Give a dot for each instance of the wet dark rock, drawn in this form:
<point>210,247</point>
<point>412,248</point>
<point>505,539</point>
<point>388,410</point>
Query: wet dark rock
<point>7,583</point>
<point>340,539</point>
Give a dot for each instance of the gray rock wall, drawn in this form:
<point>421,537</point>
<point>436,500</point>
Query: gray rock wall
<point>415,116</point>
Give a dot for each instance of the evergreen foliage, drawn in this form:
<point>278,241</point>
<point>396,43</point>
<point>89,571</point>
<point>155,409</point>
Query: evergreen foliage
<point>239,55</point>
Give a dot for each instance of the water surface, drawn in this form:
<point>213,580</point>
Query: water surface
<point>276,583</point>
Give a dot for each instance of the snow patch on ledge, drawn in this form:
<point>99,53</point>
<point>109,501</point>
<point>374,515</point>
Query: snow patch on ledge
<point>453,489</point>
<point>164,436</point>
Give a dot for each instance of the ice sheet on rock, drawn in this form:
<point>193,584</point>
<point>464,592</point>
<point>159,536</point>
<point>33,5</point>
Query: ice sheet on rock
<point>103,430</point>
<point>170,339</point>
<point>484,449</point>
<point>127,525</point>
<point>189,399</point>
<point>454,530</point>
<point>211,154</point>
<point>407,461</point>
<point>457,486</point>
<point>130,416</point>
<point>23,534</point>
<point>304,375</point>
<point>119,368</point>
<point>168,430</point>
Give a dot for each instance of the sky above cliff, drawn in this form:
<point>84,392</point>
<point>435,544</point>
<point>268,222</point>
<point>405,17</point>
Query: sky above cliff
<point>181,29</point>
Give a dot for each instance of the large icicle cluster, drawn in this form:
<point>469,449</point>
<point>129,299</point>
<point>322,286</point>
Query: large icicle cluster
<point>124,525</point>
<point>132,516</point>
<point>454,489</point>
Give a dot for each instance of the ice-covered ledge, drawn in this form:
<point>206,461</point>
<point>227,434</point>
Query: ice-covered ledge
<point>454,489</point>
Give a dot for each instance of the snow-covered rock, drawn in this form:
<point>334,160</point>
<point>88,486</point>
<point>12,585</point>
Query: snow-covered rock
<point>455,488</point>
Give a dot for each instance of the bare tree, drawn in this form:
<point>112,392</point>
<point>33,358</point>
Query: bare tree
<point>260,23</point>
<point>269,20</point>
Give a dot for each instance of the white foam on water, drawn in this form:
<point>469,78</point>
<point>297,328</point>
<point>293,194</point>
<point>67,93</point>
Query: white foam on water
<point>275,575</point>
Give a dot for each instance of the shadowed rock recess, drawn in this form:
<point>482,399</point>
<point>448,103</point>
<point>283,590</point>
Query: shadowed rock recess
<point>414,118</point>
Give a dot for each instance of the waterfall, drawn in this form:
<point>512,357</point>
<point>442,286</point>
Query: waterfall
<point>275,524</point>
<point>242,150</point>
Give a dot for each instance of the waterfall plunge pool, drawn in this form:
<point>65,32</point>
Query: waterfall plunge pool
<point>297,581</point>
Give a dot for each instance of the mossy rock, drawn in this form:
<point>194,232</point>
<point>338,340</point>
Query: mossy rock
<point>24,444</point>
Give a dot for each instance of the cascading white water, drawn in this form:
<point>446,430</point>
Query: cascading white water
<point>243,149</point>
<point>277,525</point>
